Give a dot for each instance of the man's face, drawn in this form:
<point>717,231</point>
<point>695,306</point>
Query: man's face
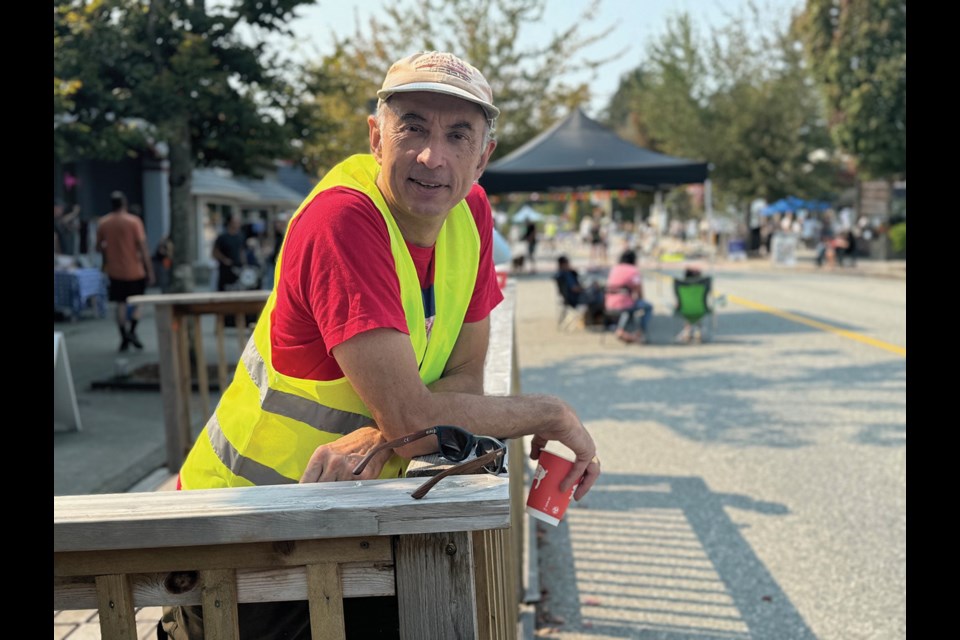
<point>431,151</point>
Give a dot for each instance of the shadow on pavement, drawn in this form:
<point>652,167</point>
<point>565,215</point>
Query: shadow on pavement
<point>658,557</point>
<point>707,396</point>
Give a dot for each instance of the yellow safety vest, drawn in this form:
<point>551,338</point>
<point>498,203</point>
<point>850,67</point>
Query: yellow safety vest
<point>267,425</point>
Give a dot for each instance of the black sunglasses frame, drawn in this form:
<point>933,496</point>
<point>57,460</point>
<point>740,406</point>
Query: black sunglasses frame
<point>447,436</point>
<point>472,466</point>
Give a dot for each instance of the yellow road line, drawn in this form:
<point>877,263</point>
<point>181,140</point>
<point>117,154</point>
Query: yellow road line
<point>852,335</point>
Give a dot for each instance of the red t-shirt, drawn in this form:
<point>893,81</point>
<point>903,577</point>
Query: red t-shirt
<point>338,279</point>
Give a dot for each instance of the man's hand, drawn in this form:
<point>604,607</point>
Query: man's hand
<point>336,460</point>
<point>572,434</point>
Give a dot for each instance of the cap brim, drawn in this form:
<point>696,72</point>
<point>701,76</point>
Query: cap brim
<point>436,87</point>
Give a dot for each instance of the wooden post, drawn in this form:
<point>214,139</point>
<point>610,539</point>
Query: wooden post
<point>117,618</point>
<point>219,598</point>
<point>203,384</point>
<point>435,586</point>
<point>185,386</point>
<point>326,601</point>
<point>221,355</point>
<point>240,321</point>
<point>170,364</point>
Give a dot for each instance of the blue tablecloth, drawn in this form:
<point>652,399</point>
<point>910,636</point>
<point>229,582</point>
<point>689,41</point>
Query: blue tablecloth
<point>74,288</point>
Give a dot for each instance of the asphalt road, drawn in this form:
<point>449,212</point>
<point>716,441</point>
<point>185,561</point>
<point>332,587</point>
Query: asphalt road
<point>753,486</point>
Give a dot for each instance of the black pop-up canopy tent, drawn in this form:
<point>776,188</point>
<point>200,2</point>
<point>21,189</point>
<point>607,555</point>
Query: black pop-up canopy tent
<point>578,152</point>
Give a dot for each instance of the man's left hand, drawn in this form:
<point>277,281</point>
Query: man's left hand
<point>336,460</point>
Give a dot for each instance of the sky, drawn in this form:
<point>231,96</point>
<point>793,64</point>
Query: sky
<point>637,23</point>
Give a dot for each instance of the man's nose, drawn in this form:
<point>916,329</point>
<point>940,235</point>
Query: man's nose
<point>432,155</point>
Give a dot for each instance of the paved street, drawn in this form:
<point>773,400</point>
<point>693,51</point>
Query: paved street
<point>754,486</point>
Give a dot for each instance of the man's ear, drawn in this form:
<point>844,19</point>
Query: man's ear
<point>375,137</point>
<point>485,158</point>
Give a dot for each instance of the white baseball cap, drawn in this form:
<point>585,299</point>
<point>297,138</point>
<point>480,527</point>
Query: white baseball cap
<point>439,72</point>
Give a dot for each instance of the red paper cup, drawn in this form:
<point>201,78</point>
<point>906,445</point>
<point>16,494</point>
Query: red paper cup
<point>502,278</point>
<point>545,501</point>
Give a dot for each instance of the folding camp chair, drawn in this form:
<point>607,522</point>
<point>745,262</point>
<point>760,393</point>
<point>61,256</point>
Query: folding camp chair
<point>693,305</point>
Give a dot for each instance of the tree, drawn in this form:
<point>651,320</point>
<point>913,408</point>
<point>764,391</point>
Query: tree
<point>857,50</point>
<point>742,100</point>
<point>131,74</point>
<point>531,85</point>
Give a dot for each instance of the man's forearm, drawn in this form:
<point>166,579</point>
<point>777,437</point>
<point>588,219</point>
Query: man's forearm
<point>461,382</point>
<point>501,417</point>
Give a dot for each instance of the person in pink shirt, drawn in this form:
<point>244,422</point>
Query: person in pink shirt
<point>625,293</point>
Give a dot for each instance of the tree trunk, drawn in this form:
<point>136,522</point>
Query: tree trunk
<point>181,221</point>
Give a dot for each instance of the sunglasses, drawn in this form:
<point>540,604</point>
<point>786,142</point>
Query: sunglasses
<point>485,462</point>
<point>454,444</point>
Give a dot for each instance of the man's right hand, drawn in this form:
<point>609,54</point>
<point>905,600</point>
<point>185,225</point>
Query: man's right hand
<point>336,460</point>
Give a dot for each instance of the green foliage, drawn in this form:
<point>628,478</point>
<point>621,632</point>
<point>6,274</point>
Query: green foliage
<point>857,50</point>
<point>898,237</point>
<point>530,84</point>
<point>129,73</point>
<point>740,99</point>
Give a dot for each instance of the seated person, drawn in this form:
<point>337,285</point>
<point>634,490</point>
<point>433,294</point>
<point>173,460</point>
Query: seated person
<point>625,293</point>
<point>568,283</point>
<point>571,291</point>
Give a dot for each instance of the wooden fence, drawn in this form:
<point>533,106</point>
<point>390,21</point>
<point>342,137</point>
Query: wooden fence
<point>455,561</point>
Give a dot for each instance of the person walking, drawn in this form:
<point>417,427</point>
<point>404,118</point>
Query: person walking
<point>530,237</point>
<point>122,241</point>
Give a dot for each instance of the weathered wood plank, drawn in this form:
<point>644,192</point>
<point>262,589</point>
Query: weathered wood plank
<point>358,580</point>
<point>115,603</point>
<point>170,364</point>
<point>219,599</point>
<point>184,387</point>
<point>498,368</point>
<point>280,512</point>
<point>203,383</point>
<point>236,556</point>
<point>240,323</point>
<point>435,586</point>
<point>252,307</point>
<point>483,573</point>
<point>201,297</point>
<point>221,354</point>
<point>326,601</point>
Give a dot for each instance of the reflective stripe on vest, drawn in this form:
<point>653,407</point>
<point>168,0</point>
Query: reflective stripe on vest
<point>240,465</point>
<point>293,406</point>
<point>267,424</point>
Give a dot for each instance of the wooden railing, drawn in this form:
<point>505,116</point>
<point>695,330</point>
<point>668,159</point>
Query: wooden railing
<point>455,561</point>
<point>444,557</point>
<point>180,341</point>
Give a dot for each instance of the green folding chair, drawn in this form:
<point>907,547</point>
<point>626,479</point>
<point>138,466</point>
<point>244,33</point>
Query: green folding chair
<point>693,305</point>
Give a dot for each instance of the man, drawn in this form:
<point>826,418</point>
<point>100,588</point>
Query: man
<point>379,323</point>
<point>228,251</point>
<point>126,260</point>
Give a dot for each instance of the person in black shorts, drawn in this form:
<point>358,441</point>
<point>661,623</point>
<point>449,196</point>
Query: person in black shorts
<point>126,260</point>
